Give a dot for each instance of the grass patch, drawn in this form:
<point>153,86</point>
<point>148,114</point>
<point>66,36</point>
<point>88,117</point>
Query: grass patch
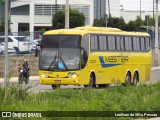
<point>117,98</point>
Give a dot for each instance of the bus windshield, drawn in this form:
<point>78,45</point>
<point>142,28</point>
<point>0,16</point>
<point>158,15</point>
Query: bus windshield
<point>60,52</point>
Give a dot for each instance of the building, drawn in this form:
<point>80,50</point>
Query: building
<point>32,15</point>
<point>99,8</point>
<point>106,7</point>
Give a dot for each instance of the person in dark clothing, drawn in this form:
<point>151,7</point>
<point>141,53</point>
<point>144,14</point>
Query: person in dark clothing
<point>26,66</point>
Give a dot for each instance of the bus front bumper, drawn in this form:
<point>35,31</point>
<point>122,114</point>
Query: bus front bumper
<point>59,81</point>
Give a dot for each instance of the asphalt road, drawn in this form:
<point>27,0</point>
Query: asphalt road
<point>35,86</point>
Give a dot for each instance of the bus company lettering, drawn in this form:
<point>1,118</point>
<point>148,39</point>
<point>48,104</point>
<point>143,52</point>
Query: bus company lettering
<point>116,59</point>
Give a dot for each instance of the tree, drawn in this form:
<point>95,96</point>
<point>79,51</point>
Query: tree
<point>1,28</point>
<point>2,2</point>
<point>131,26</point>
<point>99,22</point>
<point>117,23</point>
<point>76,19</point>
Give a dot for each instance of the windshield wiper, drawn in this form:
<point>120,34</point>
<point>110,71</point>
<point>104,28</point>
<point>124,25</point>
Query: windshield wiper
<point>53,62</point>
<point>63,63</point>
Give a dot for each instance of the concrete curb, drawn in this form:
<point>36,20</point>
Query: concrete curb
<point>155,68</point>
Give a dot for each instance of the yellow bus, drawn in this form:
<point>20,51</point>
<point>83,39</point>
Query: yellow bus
<point>94,56</point>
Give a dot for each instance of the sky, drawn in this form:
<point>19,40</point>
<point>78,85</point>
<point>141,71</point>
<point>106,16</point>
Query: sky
<point>146,5</point>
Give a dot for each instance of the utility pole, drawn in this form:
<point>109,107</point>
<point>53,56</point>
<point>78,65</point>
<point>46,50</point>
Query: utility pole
<point>56,5</point>
<point>156,37</point>
<point>140,8</point>
<point>67,15</point>
<point>153,12</point>
<point>109,9</point>
<point>6,80</point>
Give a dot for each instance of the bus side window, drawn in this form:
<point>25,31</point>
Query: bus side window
<point>136,44</point>
<point>85,43</point>
<point>94,42</point>
<point>147,45</point>
<point>102,42</point>
<point>111,43</point>
<point>119,43</point>
<point>142,44</point>
<point>128,43</point>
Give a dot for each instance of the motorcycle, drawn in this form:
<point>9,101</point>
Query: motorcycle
<point>23,76</point>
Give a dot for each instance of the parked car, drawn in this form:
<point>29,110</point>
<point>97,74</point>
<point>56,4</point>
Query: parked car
<point>2,49</point>
<point>20,43</point>
<point>34,44</point>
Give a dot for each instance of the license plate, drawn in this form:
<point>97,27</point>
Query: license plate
<point>57,81</point>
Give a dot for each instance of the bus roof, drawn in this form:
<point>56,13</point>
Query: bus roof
<point>99,30</point>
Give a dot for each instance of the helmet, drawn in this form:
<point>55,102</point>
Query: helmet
<point>25,60</point>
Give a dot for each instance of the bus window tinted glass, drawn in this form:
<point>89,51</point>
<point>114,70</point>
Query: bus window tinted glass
<point>85,43</point>
<point>94,42</point>
<point>142,44</point>
<point>128,43</point>
<point>61,41</point>
<point>102,43</point>
<point>147,45</point>
<point>120,43</point>
<point>136,44</point>
<point>111,43</point>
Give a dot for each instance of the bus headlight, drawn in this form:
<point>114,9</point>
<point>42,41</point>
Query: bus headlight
<point>44,76</point>
<point>72,75</point>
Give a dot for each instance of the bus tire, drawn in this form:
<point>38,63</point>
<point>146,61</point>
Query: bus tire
<point>92,80</point>
<point>135,78</point>
<point>128,78</point>
<point>55,86</point>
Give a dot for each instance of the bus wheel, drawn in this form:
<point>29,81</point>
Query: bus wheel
<point>128,79</point>
<point>135,78</point>
<point>92,80</point>
<point>55,86</point>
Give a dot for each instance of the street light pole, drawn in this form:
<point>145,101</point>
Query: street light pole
<point>156,37</point>
<point>67,15</point>
<point>140,8</point>
<point>6,45</point>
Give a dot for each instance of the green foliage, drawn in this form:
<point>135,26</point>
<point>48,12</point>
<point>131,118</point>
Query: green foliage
<point>76,19</point>
<point>1,27</point>
<point>2,2</point>
<point>132,25</point>
<point>117,23</point>
<point>58,20</point>
<point>117,98</point>
<point>112,22</point>
<point>99,22</point>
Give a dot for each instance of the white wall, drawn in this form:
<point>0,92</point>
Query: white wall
<point>114,8</point>
<point>18,19</point>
